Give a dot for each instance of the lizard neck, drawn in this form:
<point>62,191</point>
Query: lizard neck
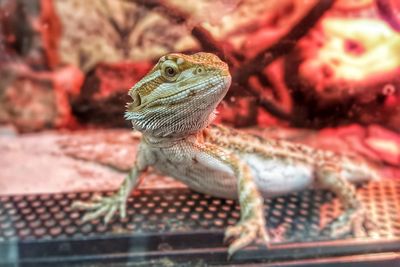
<point>169,141</point>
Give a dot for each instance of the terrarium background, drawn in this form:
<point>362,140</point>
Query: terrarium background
<point>66,67</point>
<point>69,63</point>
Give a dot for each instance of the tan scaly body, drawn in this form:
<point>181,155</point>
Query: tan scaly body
<point>173,106</point>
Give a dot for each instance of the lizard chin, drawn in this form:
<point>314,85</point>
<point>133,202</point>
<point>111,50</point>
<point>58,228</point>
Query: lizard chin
<point>183,116</point>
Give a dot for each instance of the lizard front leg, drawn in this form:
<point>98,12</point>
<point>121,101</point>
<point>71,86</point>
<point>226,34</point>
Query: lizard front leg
<point>252,226</point>
<point>107,206</point>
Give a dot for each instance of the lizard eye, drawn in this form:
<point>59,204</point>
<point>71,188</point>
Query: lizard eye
<point>169,70</point>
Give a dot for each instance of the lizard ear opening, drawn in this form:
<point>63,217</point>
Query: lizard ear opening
<point>136,101</point>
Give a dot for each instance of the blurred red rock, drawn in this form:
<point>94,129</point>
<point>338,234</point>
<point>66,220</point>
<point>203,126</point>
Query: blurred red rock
<point>35,100</point>
<point>96,160</point>
<point>32,31</point>
<point>385,143</point>
<point>49,26</point>
<point>238,111</point>
<point>372,142</point>
<point>341,71</point>
<point>105,92</point>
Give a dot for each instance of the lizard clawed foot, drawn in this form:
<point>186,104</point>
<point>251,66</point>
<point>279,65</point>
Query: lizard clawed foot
<point>102,206</point>
<point>245,233</point>
<point>355,221</point>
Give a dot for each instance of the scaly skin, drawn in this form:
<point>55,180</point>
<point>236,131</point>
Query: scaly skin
<point>173,106</point>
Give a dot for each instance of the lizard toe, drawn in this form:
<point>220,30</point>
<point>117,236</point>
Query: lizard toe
<point>247,232</point>
<point>99,207</point>
<point>358,222</point>
<point>232,232</point>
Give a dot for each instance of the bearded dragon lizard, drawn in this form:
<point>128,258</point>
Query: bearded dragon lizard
<point>173,107</point>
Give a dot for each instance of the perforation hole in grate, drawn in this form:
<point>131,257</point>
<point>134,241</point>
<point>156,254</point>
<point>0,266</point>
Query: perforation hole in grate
<point>152,211</point>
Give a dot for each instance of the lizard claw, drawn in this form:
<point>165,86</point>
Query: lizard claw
<point>245,233</point>
<point>99,206</point>
<point>355,221</point>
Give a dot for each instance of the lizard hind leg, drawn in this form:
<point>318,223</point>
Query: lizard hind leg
<point>355,218</point>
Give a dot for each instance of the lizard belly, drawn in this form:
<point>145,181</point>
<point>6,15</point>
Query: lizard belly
<point>208,175</point>
<point>202,173</point>
<point>275,177</point>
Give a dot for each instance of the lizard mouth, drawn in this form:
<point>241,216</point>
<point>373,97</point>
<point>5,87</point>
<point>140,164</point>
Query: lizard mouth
<point>217,86</point>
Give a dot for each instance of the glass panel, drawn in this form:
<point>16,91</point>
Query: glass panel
<point>148,132</point>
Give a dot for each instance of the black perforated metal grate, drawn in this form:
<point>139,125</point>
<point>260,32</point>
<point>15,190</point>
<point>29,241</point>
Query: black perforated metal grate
<point>38,218</point>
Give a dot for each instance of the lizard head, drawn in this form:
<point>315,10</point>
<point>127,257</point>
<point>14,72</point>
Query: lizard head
<point>179,95</point>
